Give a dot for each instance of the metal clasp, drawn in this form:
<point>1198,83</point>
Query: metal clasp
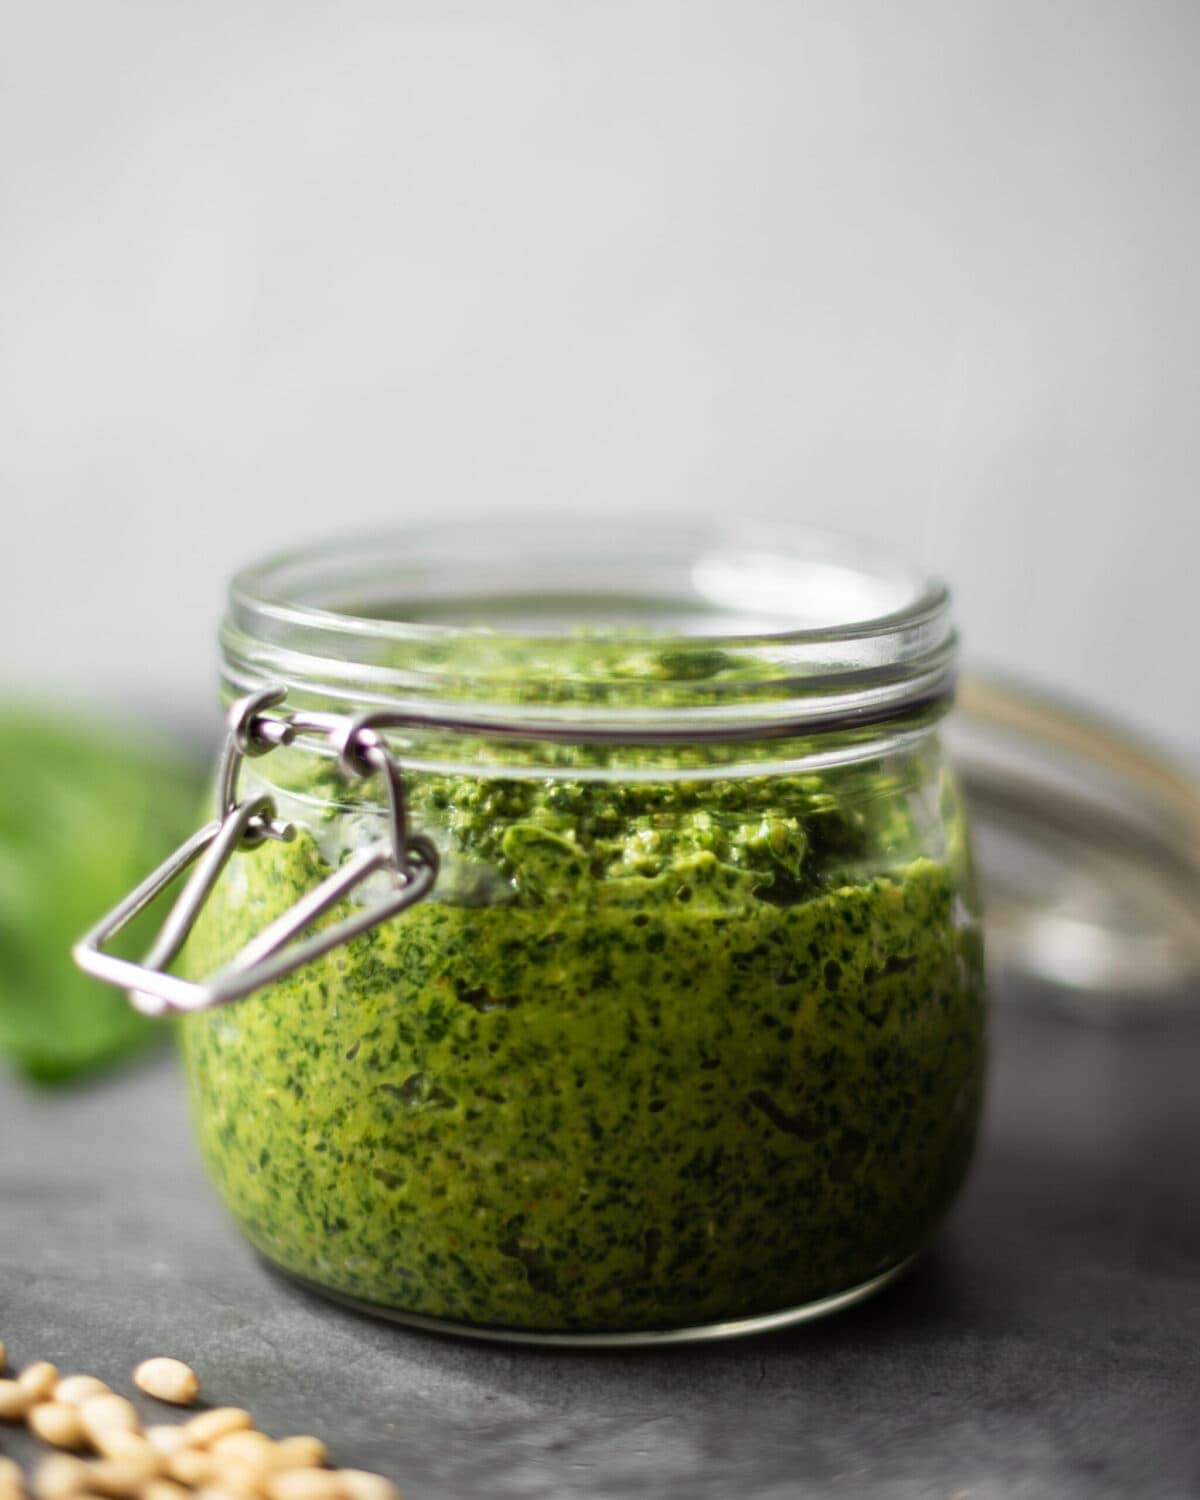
<point>410,858</point>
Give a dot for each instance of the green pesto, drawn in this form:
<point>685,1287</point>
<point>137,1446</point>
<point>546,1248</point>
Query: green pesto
<point>655,1055</point>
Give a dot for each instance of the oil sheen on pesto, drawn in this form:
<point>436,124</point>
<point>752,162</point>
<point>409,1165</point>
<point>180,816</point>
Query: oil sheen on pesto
<point>656,1054</point>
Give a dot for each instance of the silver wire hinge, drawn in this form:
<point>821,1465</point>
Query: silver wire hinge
<point>409,859</point>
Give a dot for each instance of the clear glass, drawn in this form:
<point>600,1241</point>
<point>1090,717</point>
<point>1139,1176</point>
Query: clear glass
<point>689,1038</point>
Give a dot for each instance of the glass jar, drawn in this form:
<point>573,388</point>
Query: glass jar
<point>687,1037</point>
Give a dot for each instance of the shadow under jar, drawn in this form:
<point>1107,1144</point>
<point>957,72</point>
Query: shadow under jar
<point>688,1037</point>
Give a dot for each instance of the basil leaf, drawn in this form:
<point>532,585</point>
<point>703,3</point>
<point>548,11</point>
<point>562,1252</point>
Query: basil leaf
<point>85,813</point>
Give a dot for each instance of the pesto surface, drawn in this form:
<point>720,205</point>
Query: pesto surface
<point>654,1055</point>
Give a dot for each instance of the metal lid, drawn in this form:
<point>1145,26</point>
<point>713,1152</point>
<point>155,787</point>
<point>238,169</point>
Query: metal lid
<point>1088,847</point>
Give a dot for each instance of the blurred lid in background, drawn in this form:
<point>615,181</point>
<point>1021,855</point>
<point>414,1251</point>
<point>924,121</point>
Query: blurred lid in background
<point>1088,847</point>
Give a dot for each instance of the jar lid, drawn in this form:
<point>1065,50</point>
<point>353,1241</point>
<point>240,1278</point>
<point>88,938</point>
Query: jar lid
<point>1088,847</point>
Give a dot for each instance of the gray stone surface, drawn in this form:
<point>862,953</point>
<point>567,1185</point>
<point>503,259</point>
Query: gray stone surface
<point>1049,1345</point>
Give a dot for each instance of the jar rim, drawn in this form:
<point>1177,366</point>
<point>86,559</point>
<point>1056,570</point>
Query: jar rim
<point>596,623</point>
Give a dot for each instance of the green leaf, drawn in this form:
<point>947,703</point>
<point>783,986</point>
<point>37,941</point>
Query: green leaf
<point>85,813</point>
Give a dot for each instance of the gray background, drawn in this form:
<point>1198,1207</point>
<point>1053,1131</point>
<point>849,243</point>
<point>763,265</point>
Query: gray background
<point>925,271</point>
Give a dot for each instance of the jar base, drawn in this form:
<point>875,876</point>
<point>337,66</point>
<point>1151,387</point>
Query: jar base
<point>807,1312</point>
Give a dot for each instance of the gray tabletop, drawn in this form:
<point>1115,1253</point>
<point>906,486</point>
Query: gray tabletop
<point>1049,1344</point>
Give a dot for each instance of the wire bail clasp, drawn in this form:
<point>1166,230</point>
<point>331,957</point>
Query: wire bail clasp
<point>410,859</point>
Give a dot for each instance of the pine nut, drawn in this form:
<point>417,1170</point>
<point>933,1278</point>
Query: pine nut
<point>119,1442</point>
<point>15,1401</point>
<point>163,1489</point>
<point>305,1484</point>
<point>103,1413</point>
<point>167,1380</point>
<point>244,1479</point>
<point>210,1425</point>
<point>57,1422</point>
<point>12,1481</point>
<point>166,1440</point>
<point>75,1389</point>
<point>57,1477</point>
<point>38,1379</point>
<point>218,1492</point>
<point>245,1443</point>
<point>233,1473</point>
<point>191,1466</point>
<point>247,1446</point>
<point>360,1485</point>
<point>301,1452</point>
<point>123,1476</point>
